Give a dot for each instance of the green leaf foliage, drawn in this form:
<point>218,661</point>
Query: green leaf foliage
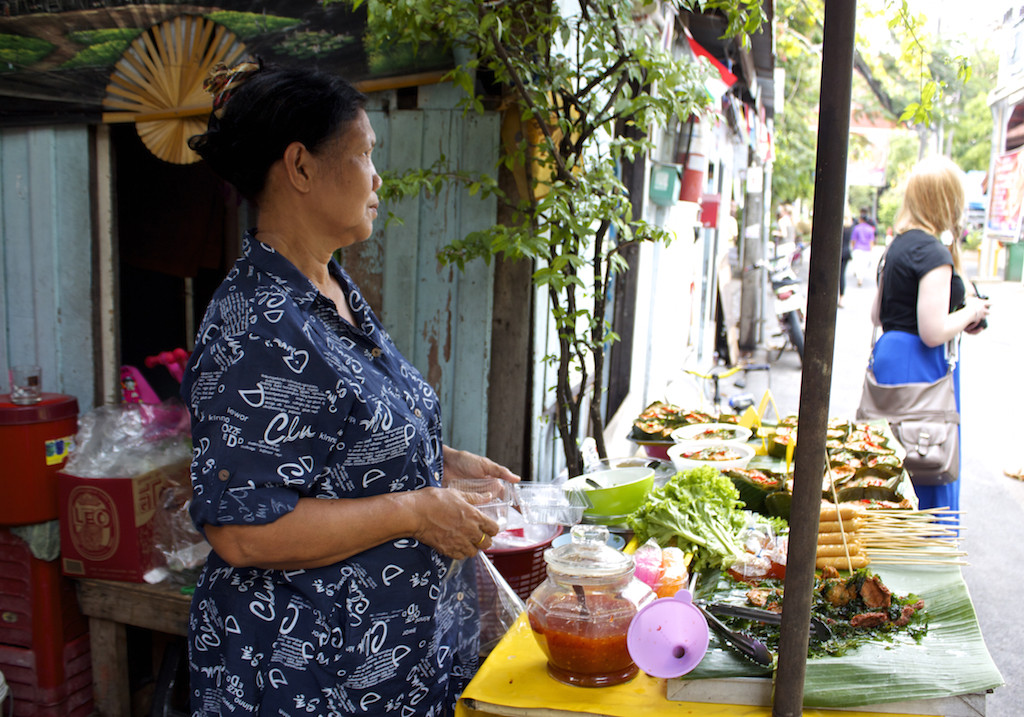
<point>587,85</point>
<point>312,43</point>
<point>700,512</point>
<point>100,54</point>
<point>886,671</point>
<point>108,34</point>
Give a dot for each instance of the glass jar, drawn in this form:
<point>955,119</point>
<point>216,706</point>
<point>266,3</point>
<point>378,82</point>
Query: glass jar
<point>580,614</point>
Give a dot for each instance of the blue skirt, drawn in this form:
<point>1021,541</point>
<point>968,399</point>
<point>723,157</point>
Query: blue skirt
<point>901,357</point>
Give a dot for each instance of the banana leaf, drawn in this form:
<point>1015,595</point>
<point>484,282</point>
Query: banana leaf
<point>951,659</point>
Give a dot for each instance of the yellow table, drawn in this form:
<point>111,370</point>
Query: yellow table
<point>513,682</point>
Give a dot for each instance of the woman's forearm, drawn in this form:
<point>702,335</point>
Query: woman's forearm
<point>322,531</point>
<point>936,325</point>
<point>317,532</point>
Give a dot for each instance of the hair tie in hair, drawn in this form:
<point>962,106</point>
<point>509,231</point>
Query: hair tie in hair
<point>223,81</point>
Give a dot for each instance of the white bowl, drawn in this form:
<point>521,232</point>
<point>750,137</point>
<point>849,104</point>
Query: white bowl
<point>695,431</point>
<point>743,453</point>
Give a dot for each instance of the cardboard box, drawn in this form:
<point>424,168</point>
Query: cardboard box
<point>107,526</point>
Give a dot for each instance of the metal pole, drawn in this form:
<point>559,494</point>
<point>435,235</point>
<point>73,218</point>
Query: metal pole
<point>816,379</point>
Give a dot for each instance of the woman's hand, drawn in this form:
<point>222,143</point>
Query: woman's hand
<point>321,532</point>
<point>978,309</point>
<point>463,464</point>
<point>449,524</point>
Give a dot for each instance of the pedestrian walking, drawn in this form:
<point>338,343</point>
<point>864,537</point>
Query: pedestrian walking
<point>848,225</point>
<point>862,239</point>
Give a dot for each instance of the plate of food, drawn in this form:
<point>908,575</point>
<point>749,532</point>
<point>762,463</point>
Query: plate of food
<point>721,432</point>
<point>723,456</point>
<point>653,428</point>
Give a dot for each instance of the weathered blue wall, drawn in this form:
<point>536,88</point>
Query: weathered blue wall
<point>46,251</point>
<point>438,316</point>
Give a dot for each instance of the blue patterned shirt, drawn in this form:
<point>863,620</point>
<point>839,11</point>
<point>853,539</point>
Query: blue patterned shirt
<point>290,401</point>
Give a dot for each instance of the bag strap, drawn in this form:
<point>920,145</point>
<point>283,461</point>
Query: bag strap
<point>953,352</point>
<point>874,327</point>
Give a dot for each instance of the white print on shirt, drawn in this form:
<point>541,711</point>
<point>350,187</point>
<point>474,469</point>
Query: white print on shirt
<point>296,473</point>
<point>381,446</point>
<point>389,573</point>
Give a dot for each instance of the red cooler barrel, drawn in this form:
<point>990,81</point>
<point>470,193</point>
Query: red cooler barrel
<point>34,443</point>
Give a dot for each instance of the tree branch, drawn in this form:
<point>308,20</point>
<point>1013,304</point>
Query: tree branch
<point>876,87</point>
<point>538,117</point>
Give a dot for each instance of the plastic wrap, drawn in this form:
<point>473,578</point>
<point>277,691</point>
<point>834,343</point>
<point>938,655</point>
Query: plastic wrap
<point>674,575</point>
<point>764,553</point>
<point>127,440</point>
<point>647,562</point>
<point>500,606</point>
<point>180,546</point>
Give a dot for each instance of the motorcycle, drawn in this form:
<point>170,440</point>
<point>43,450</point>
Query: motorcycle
<point>790,302</point>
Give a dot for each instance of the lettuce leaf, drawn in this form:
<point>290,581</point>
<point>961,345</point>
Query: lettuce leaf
<point>699,511</point>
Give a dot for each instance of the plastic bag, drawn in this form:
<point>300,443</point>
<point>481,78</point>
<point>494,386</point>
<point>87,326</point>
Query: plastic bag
<point>674,576</point>
<point>647,563</point>
<point>178,546</point>
<point>127,440</point>
<point>764,553</point>
<point>500,606</point>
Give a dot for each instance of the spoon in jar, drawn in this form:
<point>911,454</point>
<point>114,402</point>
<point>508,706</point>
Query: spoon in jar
<point>581,600</point>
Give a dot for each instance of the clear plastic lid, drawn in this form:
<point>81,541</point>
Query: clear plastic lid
<point>588,555</point>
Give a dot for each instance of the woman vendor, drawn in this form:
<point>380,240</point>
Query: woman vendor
<point>318,459</point>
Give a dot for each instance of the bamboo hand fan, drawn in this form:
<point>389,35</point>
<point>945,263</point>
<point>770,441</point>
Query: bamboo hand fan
<point>158,83</point>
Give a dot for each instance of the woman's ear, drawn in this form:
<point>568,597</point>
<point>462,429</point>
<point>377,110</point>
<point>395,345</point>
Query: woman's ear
<point>297,164</point>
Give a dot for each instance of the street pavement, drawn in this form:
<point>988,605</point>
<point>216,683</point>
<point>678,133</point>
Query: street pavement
<point>992,408</point>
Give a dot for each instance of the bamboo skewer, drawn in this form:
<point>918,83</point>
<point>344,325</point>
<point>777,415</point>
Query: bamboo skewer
<point>929,536</point>
<point>923,554</point>
<point>921,562</point>
<point>910,545</point>
<point>882,535</point>
<point>892,536</point>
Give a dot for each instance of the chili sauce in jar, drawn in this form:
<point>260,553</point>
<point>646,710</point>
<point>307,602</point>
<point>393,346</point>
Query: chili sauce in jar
<point>580,614</point>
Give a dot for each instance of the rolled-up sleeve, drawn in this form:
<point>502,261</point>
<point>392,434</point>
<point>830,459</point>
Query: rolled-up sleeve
<point>263,429</point>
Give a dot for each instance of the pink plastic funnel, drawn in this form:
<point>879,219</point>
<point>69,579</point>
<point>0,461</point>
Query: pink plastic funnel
<point>668,637</point>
